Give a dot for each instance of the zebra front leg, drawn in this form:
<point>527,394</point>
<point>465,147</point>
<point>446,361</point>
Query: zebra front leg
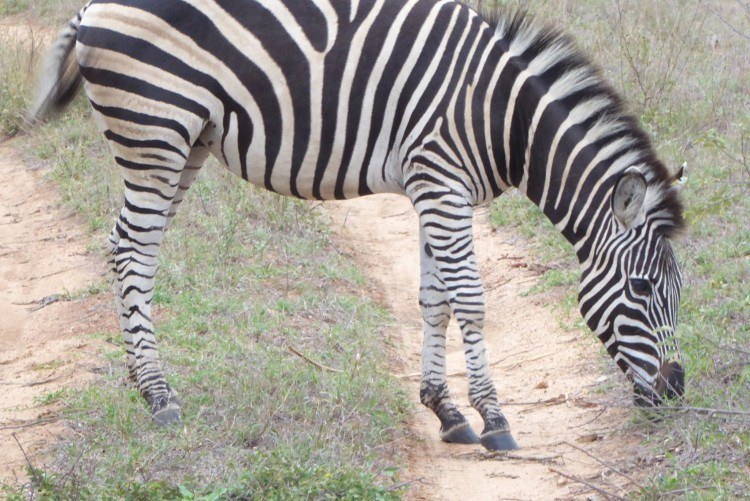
<point>436,313</point>
<point>445,219</point>
<point>467,305</point>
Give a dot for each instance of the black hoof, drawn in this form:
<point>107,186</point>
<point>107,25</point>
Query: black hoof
<point>459,434</point>
<point>168,414</point>
<point>498,441</point>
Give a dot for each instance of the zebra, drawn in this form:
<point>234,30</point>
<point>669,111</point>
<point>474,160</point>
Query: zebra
<point>334,99</point>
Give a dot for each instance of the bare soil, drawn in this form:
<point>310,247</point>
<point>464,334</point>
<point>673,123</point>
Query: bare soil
<point>44,341</point>
<point>550,377</point>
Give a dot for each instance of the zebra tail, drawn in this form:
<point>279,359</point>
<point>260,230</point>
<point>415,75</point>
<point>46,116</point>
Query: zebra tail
<point>60,78</point>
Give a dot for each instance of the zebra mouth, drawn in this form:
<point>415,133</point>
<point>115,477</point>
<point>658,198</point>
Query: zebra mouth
<point>669,384</point>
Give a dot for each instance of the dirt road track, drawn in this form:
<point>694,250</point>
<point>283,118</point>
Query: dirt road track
<point>535,360</point>
<point>43,262</point>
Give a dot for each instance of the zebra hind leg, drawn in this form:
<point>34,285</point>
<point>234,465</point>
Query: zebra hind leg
<point>195,161</point>
<point>152,194</point>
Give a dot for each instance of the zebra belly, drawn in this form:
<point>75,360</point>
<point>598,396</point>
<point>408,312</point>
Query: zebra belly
<point>224,146</point>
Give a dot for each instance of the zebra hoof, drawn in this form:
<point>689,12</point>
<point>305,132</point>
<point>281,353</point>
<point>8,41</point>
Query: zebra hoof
<point>498,441</point>
<point>167,415</point>
<point>459,434</point>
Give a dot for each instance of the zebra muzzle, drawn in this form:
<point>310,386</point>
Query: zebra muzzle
<point>669,384</point>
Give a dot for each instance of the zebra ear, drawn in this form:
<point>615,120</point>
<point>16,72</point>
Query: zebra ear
<point>679,178</point>
<point>628,197</point>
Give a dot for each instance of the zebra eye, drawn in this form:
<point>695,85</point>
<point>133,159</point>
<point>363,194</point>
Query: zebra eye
<point>640,286</point>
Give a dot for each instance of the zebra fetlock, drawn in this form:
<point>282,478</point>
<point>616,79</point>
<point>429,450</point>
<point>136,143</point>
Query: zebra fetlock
<point>454,428</point>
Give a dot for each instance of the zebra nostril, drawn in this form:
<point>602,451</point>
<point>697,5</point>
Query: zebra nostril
<point>670,383</point>
<point>671,380</point>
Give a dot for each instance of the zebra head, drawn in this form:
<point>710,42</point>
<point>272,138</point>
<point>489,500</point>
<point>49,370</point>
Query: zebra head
<point>630,287</point>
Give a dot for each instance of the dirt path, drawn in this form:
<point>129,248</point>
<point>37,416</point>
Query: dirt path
<point>535,360</point>
<point>43,262</point>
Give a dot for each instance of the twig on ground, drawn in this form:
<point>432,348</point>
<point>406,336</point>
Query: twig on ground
<point>598,415</point>
<point>531,360</point>
<point>608,495</point>
<point>45,381</point>
<point>405,483</point>
<point>704,410</point>
<point>560,399</point>
<point>41,303</point>
<point>313,362</point>
<point>61,271</point>
<point>43,421</point>
<point>610,467</point>
<point>267,424</point>
<point>32,470</point>
<point>685,490</point>
<point>707,411</point>
<point>31,424</point>
<point>728,24</point>
<point>463,372</point>
<point>502,456</point>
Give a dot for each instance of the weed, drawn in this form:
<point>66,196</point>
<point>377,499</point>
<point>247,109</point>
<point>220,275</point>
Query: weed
<point>50,397</point>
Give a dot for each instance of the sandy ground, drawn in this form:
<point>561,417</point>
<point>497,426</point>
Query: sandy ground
<point>546,374</point>
<point>43,263</point>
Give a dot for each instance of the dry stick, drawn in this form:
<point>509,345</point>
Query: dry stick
<point>679,408</point>
<point>273,415</point>
<point>601,491</point>
<point>531,360</point>
<point>313,362</point>
<point>45,381</point>
<point>463,372</point>
<point>61,271</point>
<point>622,474</point>
<point>506,455</point>
<point>704,410</point>
<point>41,421</point>
<point>598,415</point>
<point>404,484</point>
<point>32,470</point>
<point>560,399</point>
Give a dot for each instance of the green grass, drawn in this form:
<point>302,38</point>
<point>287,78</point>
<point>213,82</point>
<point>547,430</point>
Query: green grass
<point>684,71</point>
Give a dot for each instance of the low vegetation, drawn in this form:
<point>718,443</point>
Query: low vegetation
<point>683,67</point>
<point>245,277</point>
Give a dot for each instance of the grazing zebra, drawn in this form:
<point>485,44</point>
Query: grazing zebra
<point>333,99</point>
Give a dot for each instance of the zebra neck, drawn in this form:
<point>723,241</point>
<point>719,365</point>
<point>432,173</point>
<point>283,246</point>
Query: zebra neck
<point>565,158</point>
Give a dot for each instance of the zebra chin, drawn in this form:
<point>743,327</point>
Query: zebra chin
<point>669,384</point>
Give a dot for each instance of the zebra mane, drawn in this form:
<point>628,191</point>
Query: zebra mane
<point>532,42</point>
